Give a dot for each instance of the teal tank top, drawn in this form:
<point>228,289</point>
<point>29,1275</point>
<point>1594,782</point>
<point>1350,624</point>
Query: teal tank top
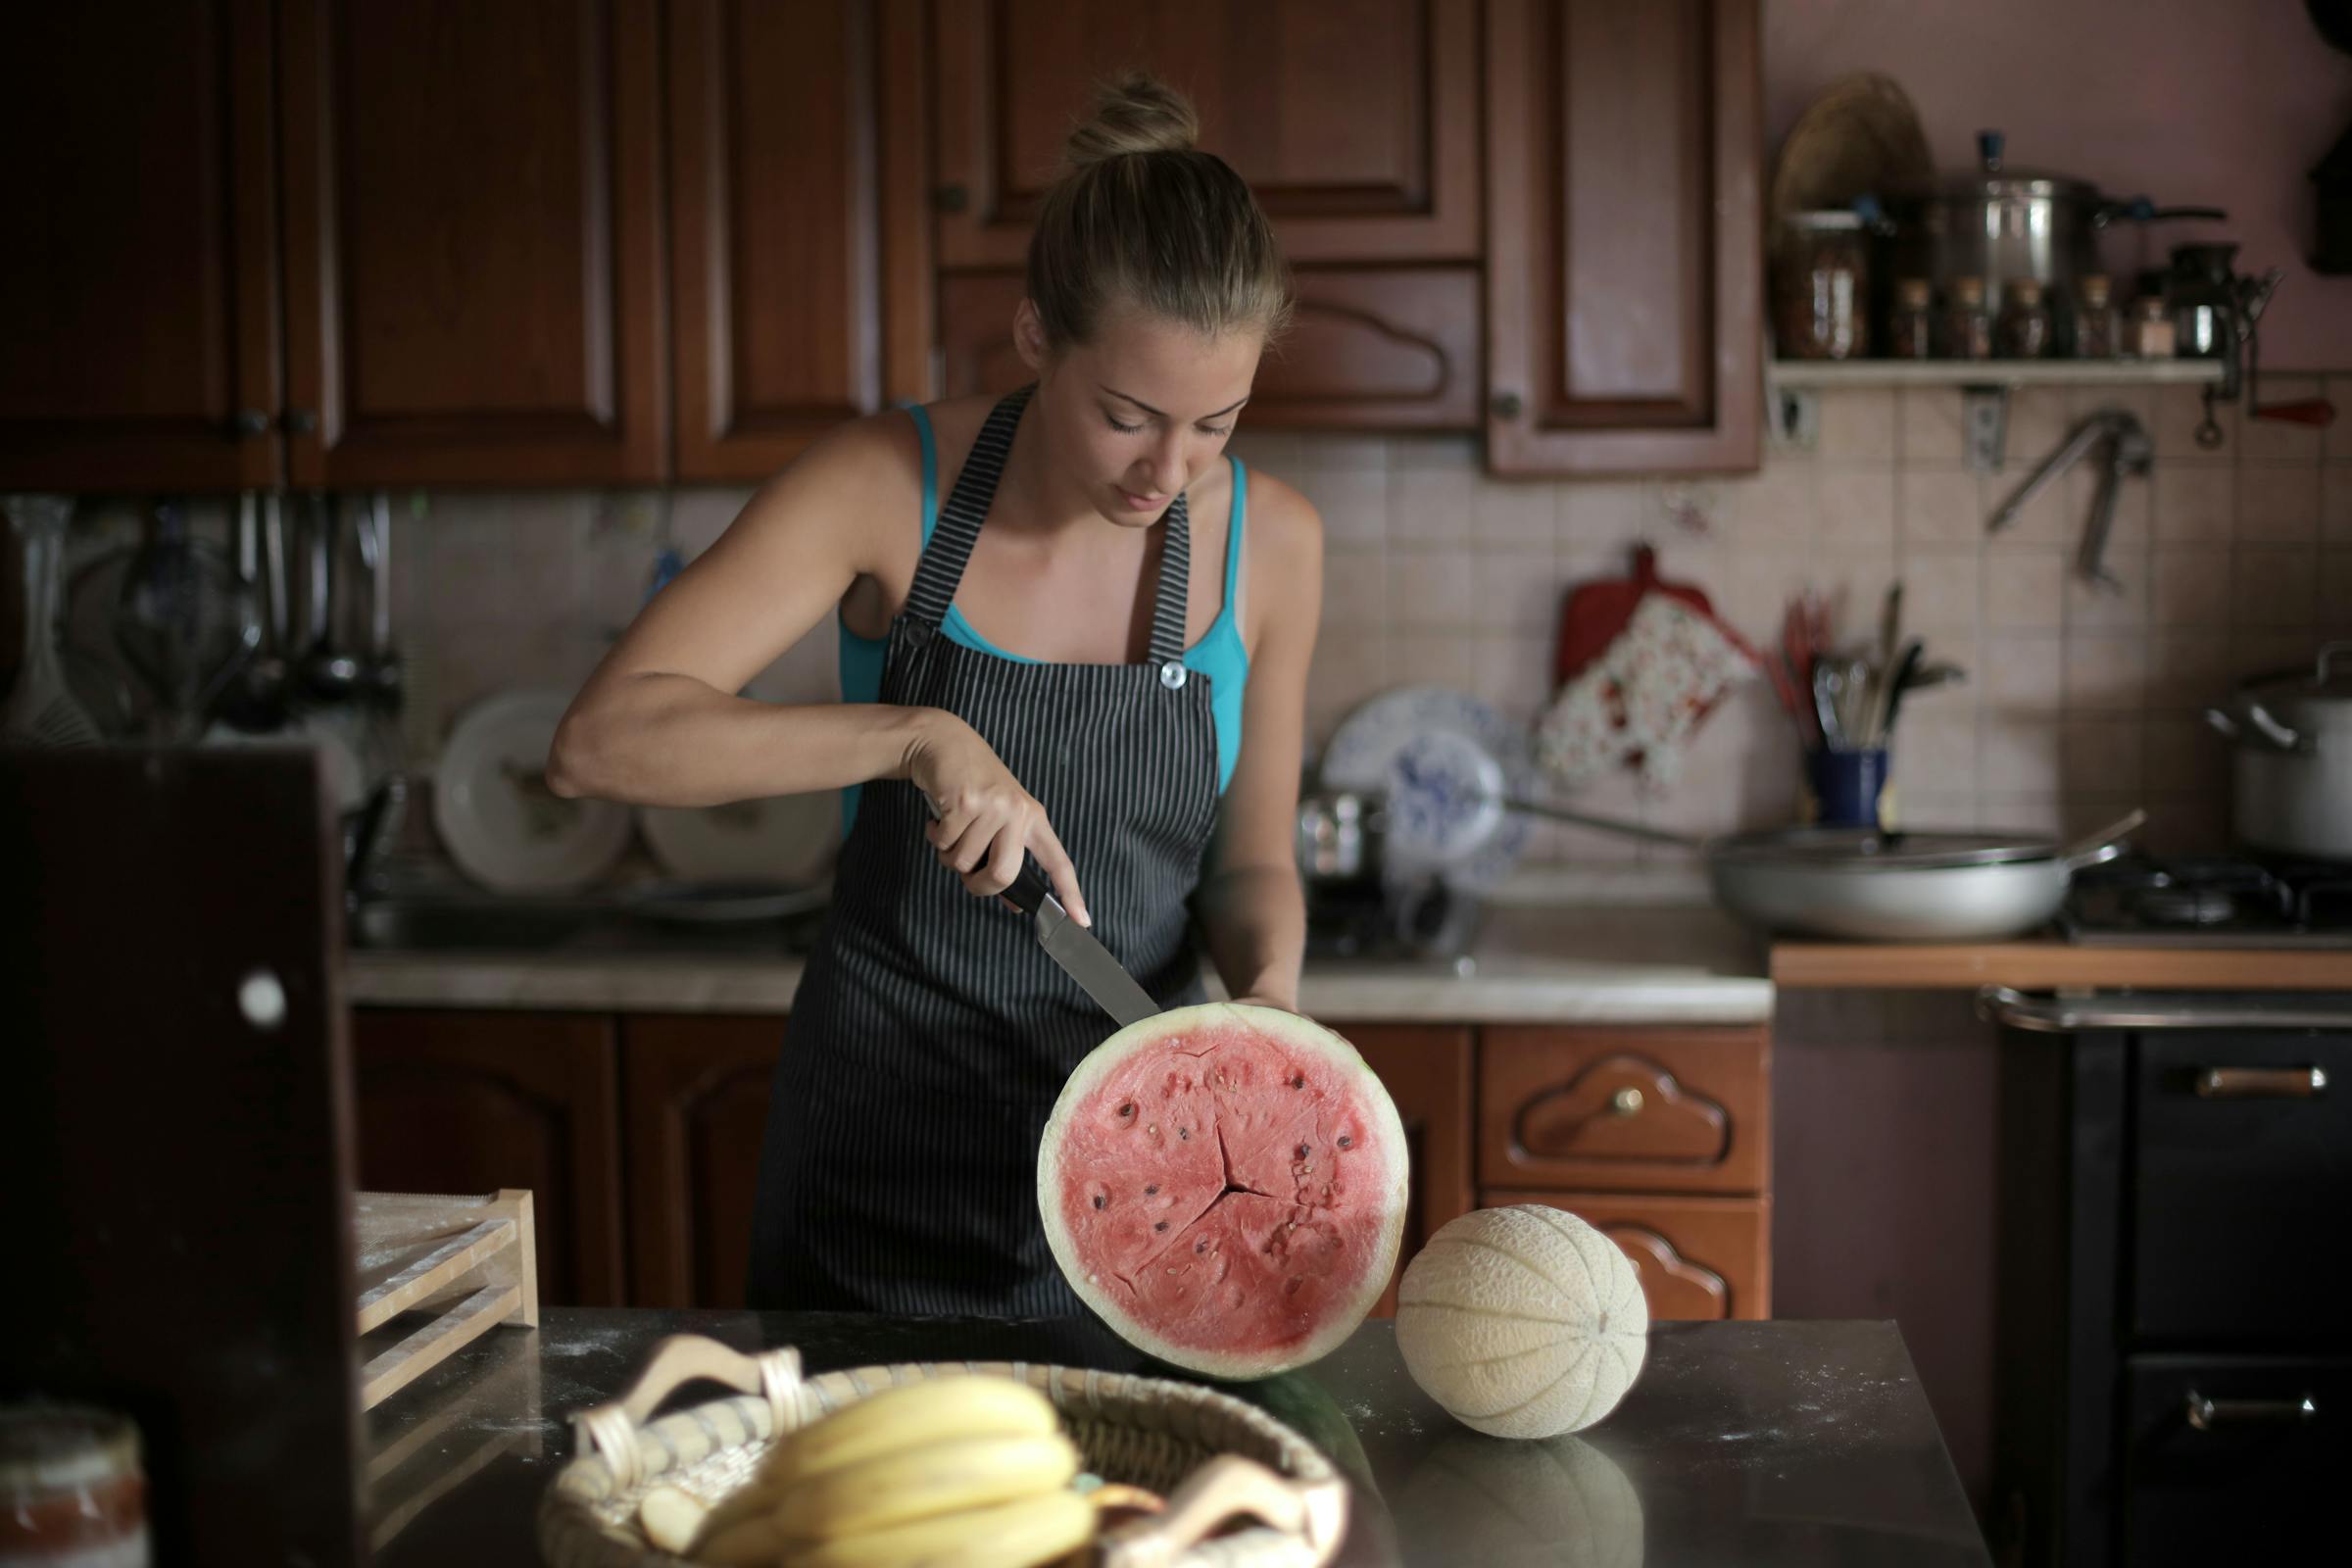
<point>1220,654</point>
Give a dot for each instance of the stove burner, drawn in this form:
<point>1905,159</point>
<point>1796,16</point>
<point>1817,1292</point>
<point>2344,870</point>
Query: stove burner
<point>2184,905</point>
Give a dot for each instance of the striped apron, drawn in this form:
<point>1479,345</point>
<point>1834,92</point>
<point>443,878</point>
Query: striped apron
<point>931,1033</point>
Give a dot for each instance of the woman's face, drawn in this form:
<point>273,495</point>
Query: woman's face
<point>1138,414</point>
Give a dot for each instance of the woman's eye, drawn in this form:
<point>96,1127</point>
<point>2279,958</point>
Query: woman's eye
<point>1123,429</point>
<point>1216,429</point>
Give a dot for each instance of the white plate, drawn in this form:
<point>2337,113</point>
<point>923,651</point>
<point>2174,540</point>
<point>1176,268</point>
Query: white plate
<point>498,818</point>
<point>783,838</point>
<point>1442,760</point>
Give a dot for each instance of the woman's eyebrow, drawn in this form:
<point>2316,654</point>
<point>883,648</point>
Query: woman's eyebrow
<point>1149,409</point>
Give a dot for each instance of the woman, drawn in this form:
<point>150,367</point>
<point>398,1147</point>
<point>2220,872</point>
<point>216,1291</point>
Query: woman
<point>1092,651</point>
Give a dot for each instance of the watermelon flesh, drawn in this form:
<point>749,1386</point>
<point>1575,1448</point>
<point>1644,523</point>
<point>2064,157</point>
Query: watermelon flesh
<point>1226,1185</point>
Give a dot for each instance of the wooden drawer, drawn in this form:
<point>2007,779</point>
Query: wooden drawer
<point>1648,1110</point>
<point>1699,1257</point>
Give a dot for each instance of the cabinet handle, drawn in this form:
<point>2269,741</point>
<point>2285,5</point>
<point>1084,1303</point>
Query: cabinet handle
<point>301,422</point>
<point>1506,405</point>
<point>2206,1415</point>
<point>2261,1083</point>
<point>952,198</point>
<point>1625,1101</point>
<point>250,421</point>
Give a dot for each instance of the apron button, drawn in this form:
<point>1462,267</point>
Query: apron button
<point>1172,674</point>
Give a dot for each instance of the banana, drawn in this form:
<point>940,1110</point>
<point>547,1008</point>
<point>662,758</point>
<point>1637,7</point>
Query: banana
<point>754,1499</point>
<point>937,1478</point>
<point>671,1518</point>
<point>1012,1534</point>
<point>912,1414</point>
<point>746,1543</point>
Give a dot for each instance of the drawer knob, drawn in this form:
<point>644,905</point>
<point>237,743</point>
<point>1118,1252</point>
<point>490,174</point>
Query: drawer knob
<point>2205,1415</point>
<point>1625,1102</point>
<point>2261,1083</point>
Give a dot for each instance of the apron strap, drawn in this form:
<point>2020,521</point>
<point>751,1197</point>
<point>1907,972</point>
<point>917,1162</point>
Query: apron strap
<point>941,571</point>
<point>1175,589</point>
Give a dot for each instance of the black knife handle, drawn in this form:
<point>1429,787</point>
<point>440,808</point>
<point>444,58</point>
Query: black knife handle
<point>1030,890</point>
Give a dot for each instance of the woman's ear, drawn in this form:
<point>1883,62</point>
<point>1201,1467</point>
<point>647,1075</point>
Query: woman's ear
<point>1029,335</point>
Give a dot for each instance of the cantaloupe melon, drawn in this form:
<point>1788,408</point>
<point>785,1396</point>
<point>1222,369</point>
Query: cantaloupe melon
<point>1523,1322</point>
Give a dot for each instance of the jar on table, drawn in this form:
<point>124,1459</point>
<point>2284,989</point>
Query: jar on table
<point>2150,335</point>
<point>2023,329</point>
<point>1821,287</point>
<point>1967,328</point>
<point>1911,324</point>
<point>2098,330</point>
<point>71,1491</point>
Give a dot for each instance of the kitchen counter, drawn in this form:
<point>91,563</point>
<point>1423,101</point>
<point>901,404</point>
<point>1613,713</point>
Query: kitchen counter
<point>2047,963</point>
<point>1776,1443</point>
<point>1530,962</point>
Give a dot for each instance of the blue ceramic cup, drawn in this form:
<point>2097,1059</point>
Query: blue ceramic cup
<point>1845,786</point>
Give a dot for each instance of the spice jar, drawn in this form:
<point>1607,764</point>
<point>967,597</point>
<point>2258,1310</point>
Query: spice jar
<point>2150,332</point>
<point>2098,331</point>
<point>1967,328</point>
<point>1911,327</point>
<point>1821,288</point>
<point>2024,330</point>
<point>72,1492</point>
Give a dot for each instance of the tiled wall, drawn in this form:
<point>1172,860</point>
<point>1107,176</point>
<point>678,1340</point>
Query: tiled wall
<point>2079,705</point>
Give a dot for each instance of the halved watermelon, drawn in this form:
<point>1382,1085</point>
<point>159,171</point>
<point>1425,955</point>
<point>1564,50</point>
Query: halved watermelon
<point>1226,1185</point>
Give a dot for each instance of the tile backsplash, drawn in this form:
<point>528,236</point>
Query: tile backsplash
<point>2080,704</point>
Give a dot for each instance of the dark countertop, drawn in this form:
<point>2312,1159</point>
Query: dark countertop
<point>1750,1442</point>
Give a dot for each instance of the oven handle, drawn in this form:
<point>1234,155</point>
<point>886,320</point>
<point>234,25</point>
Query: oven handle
<point>2063,1015</point>
<point>2207,1414</point>
<point>2261,1083</point>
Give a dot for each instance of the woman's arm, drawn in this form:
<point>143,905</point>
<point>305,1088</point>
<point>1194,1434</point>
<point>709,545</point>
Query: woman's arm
<point>1250,906</point>
<point>660,723</point>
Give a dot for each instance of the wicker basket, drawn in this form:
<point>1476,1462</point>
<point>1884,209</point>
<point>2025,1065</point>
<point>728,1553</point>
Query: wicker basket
<point>1213,1456</point>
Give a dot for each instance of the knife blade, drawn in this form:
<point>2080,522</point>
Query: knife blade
<point>1082,957</point>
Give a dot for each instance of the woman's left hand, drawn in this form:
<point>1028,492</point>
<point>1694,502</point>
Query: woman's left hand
<point>1279,1004</point>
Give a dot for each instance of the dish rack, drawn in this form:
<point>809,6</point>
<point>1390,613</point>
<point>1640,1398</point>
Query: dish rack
<point>472,1262</point>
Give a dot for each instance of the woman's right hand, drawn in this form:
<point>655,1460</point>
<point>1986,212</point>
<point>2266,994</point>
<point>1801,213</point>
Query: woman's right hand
<point>985,823</point>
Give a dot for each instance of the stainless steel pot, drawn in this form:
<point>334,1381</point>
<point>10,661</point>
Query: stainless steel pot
<point>1874,886</point>
<point>2290,790</point>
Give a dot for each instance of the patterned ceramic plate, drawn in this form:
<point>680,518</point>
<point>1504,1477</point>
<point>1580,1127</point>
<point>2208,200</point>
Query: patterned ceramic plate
<point>496,815</point>
<point>784,838</point>
<point>1444,761</point>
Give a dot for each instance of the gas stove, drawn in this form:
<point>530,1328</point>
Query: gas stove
<point>2209,900</point>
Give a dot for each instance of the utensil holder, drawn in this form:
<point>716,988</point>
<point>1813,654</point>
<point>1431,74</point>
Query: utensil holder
<point>1845,786</point>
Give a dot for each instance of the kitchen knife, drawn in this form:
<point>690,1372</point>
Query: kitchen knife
<point>1081,956</point>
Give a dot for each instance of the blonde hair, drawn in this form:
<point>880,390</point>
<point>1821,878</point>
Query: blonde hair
<point>1142,216</point>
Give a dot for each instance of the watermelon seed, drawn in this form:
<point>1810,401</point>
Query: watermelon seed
<point>1201,1246</point>
<point>1185,1133</point>
<point>1098,1199</point>
<point>1128,1110</point>
<point>1301,1150</point>
<point>1346,1141</point>
<point>1162,1226</point>
<point>1298,1081</point>
<point>1151,1190</point>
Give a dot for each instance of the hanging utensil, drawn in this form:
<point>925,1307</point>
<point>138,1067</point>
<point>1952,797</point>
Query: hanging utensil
<point>328,672</point>
<point>186,623</point>
<point>41,708</point>
<point>254,701</point>
<point>380,668</point>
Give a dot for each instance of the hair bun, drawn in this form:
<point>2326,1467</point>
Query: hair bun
<point>1137,112</point>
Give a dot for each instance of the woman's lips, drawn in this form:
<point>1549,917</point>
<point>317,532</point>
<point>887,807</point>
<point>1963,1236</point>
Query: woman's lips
<point>1136,503</point>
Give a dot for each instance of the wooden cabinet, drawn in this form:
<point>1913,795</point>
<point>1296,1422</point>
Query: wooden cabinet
<point>472,242</point>
<point>1356,124</point>
<point>696,1090</point>
<point>1624,267</point>
<point>1426,1072</point>
<point>1627,1128</point>
<point>1699,1257</point>
<point>138,279</point>
<point>1373,349</point>
<point>471,1102</point>
<point>799,223</point>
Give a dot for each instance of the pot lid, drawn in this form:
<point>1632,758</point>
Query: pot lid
<point>1999,180</point>
<point>1859,849</point>
<point>2319,692</point>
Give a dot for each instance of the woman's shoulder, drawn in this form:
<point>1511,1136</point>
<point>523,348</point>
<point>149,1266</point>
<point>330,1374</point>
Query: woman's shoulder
<point>1285,531</point>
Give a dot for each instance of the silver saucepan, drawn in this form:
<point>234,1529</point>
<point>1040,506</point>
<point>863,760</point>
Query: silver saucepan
<point>1875,886</point>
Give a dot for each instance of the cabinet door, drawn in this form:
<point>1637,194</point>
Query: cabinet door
<point>137,280</point>
<point>1355,124</point>
<point>1699,1257</point>
<point>1369,348</point>
<point>1427,1074</point>
<point>472,1101</point>
<point>472,241</point>
<point>697,1090</point>
<point>1623,268</point>
<point>1625,1110</point>
<point>798,221</point>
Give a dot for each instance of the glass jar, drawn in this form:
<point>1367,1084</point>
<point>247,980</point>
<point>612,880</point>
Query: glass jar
<point>71,1491</point>
<point>2023,329</point>
<point>1821,288</point>
<point>2149,334</point>
<point>1911,325</point>
<point>1967,328</point>
<point>2098,330</point>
